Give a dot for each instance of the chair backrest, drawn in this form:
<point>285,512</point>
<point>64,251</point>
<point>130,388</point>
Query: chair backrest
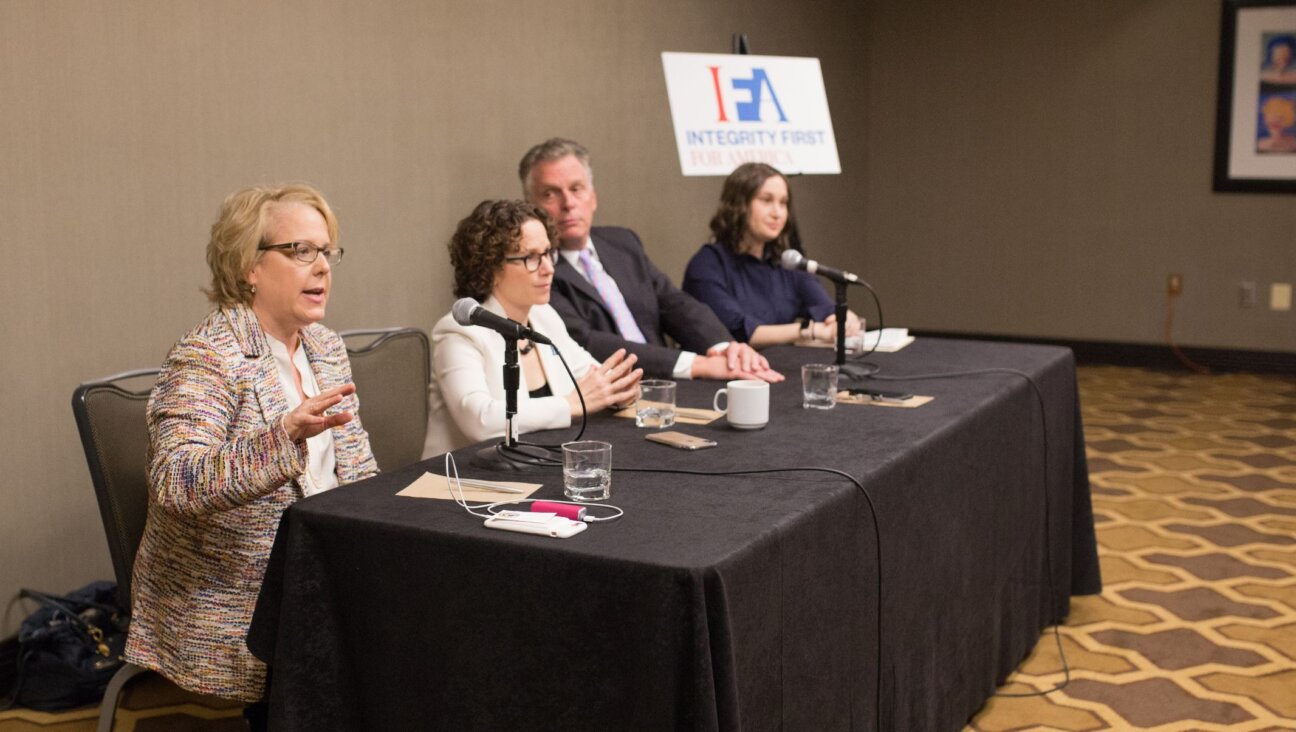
<point>114,435</point>
<point>392,373</point>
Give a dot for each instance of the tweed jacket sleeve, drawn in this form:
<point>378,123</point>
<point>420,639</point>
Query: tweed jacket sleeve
<point>197,462</point>
<point>216,441</point>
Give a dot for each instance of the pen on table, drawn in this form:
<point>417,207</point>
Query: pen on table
<point>487,485</point>
<point>880,396</point>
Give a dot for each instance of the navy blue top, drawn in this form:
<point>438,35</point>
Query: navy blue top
<point>746,292</point>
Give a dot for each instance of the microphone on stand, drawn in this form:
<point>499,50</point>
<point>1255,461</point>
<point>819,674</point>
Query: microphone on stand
<point>792,259</point>
<point>468,311</point>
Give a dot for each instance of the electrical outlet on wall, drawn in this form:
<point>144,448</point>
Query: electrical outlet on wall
<point>1174,284</point>
<point>1280,296</point>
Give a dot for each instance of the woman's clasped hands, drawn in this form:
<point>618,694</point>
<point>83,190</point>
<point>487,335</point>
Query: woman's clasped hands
<point>826,331</point>
<point>615,381</point>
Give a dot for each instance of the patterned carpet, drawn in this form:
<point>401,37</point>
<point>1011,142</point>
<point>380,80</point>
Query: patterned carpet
<point>1194,488</point>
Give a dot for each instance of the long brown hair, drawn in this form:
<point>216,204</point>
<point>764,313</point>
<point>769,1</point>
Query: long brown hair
<point>730,220</point>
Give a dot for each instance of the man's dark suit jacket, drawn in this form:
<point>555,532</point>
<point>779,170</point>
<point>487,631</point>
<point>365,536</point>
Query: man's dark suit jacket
<point>658,306</point>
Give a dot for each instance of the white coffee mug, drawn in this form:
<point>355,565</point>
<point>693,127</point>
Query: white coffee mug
<point>747,404</point>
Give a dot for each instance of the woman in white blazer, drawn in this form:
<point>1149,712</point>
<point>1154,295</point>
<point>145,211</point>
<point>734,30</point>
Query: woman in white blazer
<point>503,255</point>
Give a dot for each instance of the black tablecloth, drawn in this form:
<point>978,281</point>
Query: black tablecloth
<point>717,602</point>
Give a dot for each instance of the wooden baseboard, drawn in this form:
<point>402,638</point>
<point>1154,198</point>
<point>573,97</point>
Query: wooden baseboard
<point>1148,356</point>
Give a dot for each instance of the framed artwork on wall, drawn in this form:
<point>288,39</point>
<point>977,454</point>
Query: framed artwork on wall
<point>1255,126</point>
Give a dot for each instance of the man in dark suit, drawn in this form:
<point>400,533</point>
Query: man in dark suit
<point>611,296</point>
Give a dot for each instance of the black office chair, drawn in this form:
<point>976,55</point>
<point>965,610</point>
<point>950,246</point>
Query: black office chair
<point>111,421</point>
<point>391,374</point>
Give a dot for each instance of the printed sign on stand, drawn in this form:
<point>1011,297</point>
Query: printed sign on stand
<point>729,110</point>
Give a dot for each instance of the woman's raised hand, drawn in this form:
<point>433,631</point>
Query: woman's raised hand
<point>308,419</point>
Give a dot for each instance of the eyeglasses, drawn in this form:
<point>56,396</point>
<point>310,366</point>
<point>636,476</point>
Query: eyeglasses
<point>532,261</point>
<point>305,252</point>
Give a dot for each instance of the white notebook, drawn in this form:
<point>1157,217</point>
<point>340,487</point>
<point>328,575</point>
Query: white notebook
<point>888,341</point>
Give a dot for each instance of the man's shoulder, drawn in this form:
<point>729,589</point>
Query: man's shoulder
<point>618,236</point>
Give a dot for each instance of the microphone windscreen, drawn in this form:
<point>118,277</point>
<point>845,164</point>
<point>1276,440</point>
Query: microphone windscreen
<point>791,259</point>
<point>463,309</point>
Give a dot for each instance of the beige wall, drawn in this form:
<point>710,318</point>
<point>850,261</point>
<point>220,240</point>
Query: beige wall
<point>124,125</point>
<point>1023,167</point>
<point>1038,167</point>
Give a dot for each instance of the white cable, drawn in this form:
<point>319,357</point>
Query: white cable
<point>491,507</point>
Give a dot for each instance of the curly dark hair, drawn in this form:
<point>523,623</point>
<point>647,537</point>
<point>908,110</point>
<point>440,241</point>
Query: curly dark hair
<point>729,223</point>
<point>487,235</point>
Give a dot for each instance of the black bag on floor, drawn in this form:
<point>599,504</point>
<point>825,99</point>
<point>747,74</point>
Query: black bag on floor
<point>69,649</point>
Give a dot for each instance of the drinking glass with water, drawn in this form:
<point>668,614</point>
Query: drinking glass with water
<point>655,406</point>
<point>587,470</point>
<point>818,386</point>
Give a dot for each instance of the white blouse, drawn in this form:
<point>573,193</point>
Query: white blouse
<point>321,468</point>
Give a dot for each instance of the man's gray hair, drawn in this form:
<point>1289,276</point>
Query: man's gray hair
<point>555,148</point>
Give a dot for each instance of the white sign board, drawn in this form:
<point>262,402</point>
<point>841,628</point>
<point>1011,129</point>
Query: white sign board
<point>730,110</point>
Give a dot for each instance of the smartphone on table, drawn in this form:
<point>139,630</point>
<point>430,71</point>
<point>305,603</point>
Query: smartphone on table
<point>680,440</point>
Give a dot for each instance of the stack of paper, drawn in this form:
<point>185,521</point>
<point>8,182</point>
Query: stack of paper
<point>888,340</point>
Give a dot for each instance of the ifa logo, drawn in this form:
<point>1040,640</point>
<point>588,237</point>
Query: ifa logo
<point>756,87</point>
<point>728,110</point>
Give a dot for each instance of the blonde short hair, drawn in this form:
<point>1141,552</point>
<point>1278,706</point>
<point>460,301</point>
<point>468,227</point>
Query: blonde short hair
<point>1281,108</point>
<point>240,229</point>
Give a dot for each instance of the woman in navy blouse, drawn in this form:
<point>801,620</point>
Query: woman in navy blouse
<point>738,274</point>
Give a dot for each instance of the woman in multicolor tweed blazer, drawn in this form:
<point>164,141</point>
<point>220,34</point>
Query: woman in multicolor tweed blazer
<point>254,409</point>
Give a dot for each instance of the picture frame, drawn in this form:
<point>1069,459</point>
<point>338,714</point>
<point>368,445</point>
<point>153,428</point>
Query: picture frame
<point>1255,129</point>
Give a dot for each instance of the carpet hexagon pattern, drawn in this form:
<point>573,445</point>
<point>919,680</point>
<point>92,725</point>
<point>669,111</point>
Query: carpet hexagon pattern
<point>1194,493</point>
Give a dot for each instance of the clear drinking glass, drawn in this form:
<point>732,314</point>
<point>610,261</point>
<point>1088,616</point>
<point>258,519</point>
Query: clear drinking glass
<point>655,406</point>
<point>818,386</point>
<point>587,470</point>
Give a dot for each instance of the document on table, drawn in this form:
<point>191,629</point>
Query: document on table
<point>889,340</point>
<point>430,485</point>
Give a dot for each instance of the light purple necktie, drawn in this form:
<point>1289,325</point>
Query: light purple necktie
<point>611,295</point>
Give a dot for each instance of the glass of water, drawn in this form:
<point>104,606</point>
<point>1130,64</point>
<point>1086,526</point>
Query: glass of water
<point>587,470</point>
<point>655,406</point>
<point>818,386</point>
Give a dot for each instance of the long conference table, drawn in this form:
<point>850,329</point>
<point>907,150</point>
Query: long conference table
<point>718,602</point>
